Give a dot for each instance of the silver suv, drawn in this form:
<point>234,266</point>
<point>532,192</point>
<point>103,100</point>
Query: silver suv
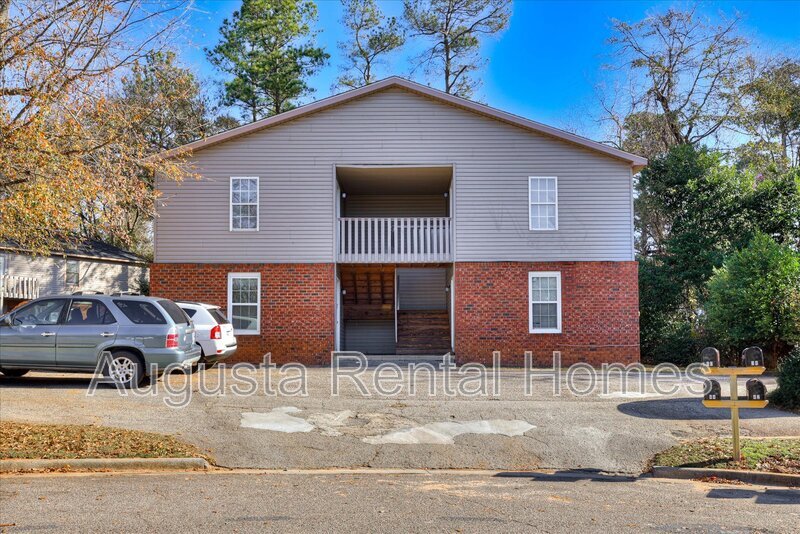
<point>68,333</point>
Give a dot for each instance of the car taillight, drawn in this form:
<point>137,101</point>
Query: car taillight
<point>172,340</point>
<point>216,332</point>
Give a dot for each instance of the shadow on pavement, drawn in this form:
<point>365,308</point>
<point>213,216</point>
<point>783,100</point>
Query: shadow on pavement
<point>690,410</point>
<point>768,496</point>
<point>79,381</point>
<point>568,475</point>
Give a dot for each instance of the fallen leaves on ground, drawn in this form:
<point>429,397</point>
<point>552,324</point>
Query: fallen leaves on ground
<point>40,441</point>
<point>774,455</point>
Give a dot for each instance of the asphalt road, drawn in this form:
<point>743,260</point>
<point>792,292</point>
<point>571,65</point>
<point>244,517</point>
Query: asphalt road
<point>380,502</point>
<point>612,431</point>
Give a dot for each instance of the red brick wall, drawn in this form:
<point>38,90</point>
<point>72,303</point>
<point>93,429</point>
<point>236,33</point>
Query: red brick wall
<point>297,305</point>
<point>599,322</point>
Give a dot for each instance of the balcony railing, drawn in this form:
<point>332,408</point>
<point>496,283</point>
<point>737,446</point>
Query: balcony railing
<point>395,239</point>
<point>18,287</point>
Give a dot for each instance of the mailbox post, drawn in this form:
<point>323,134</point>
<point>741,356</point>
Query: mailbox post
<point>755,388</point>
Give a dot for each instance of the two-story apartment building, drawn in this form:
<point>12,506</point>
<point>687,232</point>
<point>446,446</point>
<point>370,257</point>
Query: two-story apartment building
<point>397,219</point>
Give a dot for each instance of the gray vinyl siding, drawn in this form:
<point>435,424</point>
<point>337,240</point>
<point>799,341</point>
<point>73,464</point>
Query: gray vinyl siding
<point>369,337</point>
<point>422,289</point>
<point>51,272</point>
<point>395,206</point>
<point>492,161</point>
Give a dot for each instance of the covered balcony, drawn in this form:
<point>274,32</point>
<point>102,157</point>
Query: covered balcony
<point>394,214</point>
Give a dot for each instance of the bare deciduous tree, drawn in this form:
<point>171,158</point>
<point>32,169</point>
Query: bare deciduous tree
<point>682,73</point>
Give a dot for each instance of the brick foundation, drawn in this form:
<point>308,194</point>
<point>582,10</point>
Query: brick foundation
<point>297,305</point>
<point>600,313</point>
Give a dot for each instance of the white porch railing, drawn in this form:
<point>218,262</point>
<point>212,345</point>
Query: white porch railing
<point>395,239</point>
<point>18,287</point>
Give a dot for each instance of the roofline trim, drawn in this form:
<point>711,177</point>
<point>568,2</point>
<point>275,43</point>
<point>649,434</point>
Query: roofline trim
<point>636,162</point>
<point>28,252</point>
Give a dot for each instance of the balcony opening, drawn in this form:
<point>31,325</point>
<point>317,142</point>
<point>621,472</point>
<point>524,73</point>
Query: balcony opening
<point>394,214</point>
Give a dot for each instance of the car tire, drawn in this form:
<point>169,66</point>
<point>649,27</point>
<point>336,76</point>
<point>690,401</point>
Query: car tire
<point>14,373</point>
<point>126,368</point>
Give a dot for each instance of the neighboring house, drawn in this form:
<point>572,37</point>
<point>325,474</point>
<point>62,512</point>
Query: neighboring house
<point>397,219</point>
<point>89,265</point>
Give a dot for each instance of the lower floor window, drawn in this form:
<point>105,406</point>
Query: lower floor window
<point>244,302</point>
<point>545,302</point>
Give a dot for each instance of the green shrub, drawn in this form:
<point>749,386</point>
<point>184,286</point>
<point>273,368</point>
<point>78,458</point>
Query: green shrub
<point>788,393</point>
<point>754,299</point>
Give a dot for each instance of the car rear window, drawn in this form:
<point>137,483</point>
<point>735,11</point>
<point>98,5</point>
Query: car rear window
<point>140,312</point>
<point>217,315</point>
<point>174,311</point>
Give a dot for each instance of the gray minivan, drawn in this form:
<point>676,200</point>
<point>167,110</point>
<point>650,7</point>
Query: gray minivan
<point>68,333</point>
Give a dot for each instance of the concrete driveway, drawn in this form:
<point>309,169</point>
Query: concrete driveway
<point>614,431</point>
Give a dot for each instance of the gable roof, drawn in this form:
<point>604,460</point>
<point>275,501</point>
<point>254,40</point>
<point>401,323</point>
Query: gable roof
<point>636,162</point>
<point>87,248</point>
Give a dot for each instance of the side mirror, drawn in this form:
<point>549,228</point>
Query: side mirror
<point>6,320</point>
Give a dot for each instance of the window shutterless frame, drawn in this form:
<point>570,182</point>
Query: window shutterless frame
<point>257,304</point>
<point>540,203</point>
<point>231,203</point>
<point>544,274</point>
<point>72,275</point>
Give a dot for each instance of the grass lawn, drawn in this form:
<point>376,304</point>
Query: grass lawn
<point>34,441</point>
<point>775,455</point>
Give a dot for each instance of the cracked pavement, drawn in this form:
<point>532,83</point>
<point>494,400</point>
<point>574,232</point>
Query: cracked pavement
<point>613,433</point>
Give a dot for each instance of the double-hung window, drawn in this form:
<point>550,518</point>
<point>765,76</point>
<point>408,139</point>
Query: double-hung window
<point>545,302</point>
<point>244,302</point>
<point>244,203</point>
<point>543,199</point>
<point>73,277</point>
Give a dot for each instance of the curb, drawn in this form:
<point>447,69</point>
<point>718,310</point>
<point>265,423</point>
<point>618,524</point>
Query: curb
<point>750,477</point>
<point>106,464</point>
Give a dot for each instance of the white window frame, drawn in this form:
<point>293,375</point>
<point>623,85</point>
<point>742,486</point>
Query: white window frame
<point>544,274</point>
<point>2,263</point>
<point>66,273</point>
<point>554,204</point>
<point>231,277</point>
<point>230,203</point>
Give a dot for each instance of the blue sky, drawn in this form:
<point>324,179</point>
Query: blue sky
<point>544,67</point>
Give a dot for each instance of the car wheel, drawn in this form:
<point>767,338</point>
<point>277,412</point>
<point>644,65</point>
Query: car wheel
<point>126,369</point>
<point>14,373</point>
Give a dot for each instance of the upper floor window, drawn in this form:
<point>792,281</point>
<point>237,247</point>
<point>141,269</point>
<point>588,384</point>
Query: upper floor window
<point>244,203</point>
<point>73,273</point>
<point>545,302</point>
<point>543,198</point>
<point>2,264</point>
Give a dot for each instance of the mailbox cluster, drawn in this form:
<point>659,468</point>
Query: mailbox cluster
<point>752,364</point>
<point>751,357</point>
